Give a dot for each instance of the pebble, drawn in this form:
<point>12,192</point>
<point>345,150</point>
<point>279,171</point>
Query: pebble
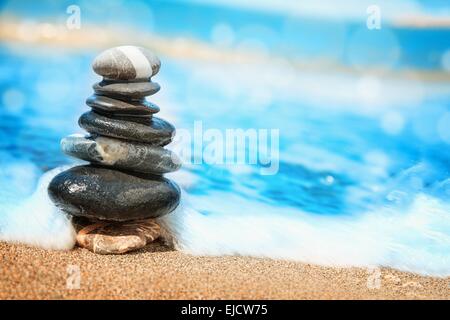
<point>103,193</point>
<point>121,154</point>
<point>113,106</point>
<point>126,63</point>
<point>155,131</point>
<point>117,237</point>
<point>126,90</point>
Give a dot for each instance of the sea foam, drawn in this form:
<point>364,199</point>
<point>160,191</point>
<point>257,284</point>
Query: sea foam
<point>416,239</point>
<point>35,220</point>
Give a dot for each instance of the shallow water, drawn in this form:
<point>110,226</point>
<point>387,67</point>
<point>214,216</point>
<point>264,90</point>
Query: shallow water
<point>364,161</point>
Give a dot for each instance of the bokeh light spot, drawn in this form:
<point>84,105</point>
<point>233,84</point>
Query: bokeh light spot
<point>222,35</point>
<point>392,122</point>
<point>379,49</point>
<point>13,100</point>
<point>369,91</point>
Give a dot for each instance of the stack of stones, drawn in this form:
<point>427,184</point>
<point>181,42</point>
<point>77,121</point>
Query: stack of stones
<point>114,199</point>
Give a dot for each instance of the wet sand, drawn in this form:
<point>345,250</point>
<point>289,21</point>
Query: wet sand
<point>158,272</point>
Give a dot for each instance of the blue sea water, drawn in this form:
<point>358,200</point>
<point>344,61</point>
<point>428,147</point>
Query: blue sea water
<point>364,160</point>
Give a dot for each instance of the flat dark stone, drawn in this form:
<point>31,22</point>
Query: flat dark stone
<point>126,89</point>
<point>107,194</point>
<point>103,104</point>
<point>137,119</point>
<point>153,131</point>
<point>133,156</point>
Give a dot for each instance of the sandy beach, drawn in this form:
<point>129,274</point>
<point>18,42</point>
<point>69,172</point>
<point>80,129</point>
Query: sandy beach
<point>158,272</point>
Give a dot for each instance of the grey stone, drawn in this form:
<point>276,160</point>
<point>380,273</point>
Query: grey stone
<point>126,63</point>
<point>104,237</point>
<point>121,154</point>
<point>154,131</point>
<point>106,194</point>
<point>118,107</point>
<point>125,89</point>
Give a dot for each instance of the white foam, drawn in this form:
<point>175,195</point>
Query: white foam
<point>36,221</point>
<point>415,239</point>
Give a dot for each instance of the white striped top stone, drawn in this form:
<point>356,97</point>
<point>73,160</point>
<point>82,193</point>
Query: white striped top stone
<point>126,63</point>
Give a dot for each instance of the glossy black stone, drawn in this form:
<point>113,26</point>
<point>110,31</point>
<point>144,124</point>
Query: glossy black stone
<point>153,131</point>
<point>116,107</point>
<point>126,89</point>
<point>106,194</point>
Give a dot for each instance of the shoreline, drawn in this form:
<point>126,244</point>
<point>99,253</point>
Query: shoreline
<point>158,272</point>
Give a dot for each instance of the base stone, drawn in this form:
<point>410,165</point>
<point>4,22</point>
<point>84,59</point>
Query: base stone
<point>104,237</point>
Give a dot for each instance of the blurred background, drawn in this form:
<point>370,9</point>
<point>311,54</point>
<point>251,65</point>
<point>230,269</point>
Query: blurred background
<point>363,114</point>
